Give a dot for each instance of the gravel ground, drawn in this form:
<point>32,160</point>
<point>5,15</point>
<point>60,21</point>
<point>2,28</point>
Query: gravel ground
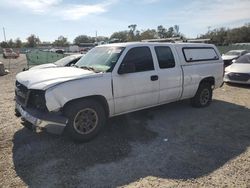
<point>174,145</point>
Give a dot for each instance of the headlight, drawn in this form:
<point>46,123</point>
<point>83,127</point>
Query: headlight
<point>37,100</point>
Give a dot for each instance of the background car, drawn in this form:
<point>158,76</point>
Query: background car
<point>239,71</point>
<point>64,62</point>
<point>59,51</point>
<point>232,55</point>
<point>9,53</point>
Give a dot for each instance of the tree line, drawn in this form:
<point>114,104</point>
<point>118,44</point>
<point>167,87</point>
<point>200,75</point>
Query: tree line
<point>132,34</point>
<point>224,36</point>
<point>220,36</point>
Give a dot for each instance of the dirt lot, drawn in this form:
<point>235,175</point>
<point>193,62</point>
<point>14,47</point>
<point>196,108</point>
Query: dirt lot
<point>174,145</point>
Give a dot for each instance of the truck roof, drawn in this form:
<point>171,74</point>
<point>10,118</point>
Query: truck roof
<point>135,44</point>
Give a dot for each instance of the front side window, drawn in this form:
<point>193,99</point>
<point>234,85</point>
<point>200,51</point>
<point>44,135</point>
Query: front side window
<point>165,57</point>
<point>140,58</point>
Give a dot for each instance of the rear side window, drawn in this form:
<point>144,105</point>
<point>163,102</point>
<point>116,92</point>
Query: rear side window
<point>165,57</point>
<point>141,58</point>
<point>193,54</point>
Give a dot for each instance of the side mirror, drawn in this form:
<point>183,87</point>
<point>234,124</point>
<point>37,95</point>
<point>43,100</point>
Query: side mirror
<point>234,61</point>
<point>126,68</point>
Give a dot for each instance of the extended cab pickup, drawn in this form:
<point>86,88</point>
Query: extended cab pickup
<point>115,79</point>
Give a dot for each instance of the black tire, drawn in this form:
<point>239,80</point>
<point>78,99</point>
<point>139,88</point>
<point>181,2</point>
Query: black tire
<point>17,113</point>
<point>203,96</point>
<point>79,120</point>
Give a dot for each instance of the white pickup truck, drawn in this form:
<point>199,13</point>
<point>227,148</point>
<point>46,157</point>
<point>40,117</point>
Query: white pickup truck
<point>115,79</point>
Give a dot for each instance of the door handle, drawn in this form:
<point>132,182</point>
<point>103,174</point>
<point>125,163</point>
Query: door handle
<point>154,78</point>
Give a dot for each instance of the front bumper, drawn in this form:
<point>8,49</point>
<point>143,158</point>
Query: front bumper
<point>237,78</point>
<point>53,123</point>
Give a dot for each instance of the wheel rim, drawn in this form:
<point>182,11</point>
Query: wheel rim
<point>204,97</point>
<point>85,121</point>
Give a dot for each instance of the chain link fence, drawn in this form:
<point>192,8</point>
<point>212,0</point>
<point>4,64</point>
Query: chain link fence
<point>38,57</point>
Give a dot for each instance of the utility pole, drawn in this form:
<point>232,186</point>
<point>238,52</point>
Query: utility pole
<point>96,36</point>
<point>6,42</point>
<point>4,34</point>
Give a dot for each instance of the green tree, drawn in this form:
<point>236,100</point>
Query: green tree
<point>18,43</point>
<point>132,32</point>
<point>176,30</point>
<point>4,44</point>
<point>11,43</point>
<point>149,34</point>
<point>83,39</point>
<point>102,39</point>
<point>238,35</point>
<point>161,31</point>
<point>170,32</point>
<point>33,41</point>
<point>121,36</point>
<point>61,41</point>
<point>224,36</point>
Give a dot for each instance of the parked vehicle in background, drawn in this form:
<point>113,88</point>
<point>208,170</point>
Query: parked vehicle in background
<point>116,79</point>
<point>59,51</point>
<point>239,71</point>
<point>64,62</point>
<point>74,48</point>
<point>232,55</point>
<point>9,53</point>
<point>85,47</point>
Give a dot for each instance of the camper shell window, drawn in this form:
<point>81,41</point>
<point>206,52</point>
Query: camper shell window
<point>194,54</point>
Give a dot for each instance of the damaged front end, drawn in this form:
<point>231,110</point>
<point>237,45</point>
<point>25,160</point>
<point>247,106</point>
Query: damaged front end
<point>31,106</point>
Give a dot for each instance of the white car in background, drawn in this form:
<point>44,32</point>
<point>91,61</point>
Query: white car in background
<point>64,62</point>
<point>232,55</point>
<point>239,71</point>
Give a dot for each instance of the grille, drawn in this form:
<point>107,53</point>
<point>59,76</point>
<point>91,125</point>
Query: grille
<point>21,93</point>
<point>239,76</point>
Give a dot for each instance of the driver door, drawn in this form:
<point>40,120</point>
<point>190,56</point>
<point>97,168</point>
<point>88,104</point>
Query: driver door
<point>136,86</point>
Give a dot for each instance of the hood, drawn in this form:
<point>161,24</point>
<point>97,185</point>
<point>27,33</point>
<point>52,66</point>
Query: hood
<point>229,57</point>
<point>43,79</point>
<point>47,65</point>
<point>238,68</point>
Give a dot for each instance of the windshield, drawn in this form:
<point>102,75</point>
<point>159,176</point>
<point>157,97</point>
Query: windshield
<point>64,61</point>
<point>101,59</point>
<point>233,53</point>
<point>244,59</point>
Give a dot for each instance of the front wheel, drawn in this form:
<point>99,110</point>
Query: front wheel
<point>203,96</point>
<point>85,119</point>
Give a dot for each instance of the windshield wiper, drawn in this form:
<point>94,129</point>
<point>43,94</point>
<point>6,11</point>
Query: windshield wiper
<point>88,68</point>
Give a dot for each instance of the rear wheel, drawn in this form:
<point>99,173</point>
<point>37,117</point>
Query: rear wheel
<point>203,96</point>
<point>85,119</point>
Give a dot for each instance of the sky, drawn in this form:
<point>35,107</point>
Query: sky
<point>48,19</point>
